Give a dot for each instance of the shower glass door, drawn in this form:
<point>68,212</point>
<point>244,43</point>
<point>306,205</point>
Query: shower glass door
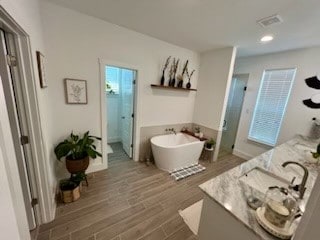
<point>232,116</point>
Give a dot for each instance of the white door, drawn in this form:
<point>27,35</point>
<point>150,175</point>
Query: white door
<point>127,97</point>
<point>13,96</point>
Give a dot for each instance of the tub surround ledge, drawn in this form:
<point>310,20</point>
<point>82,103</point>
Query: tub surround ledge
<point>193,135</point>
<point>227,191</point>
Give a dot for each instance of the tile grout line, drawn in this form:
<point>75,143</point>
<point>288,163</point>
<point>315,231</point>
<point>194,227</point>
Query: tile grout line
<point>72,212</point>
<point>141,196</point>
<point>175,231</point>
<point>170,219</point>
<point>116,223</point>
<point>164,231</point>
<point>167,222</point>
<point>95,234</point>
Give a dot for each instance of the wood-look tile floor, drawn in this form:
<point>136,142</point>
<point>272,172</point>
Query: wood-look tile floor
<point>223,153</point>
<point>131,201</point>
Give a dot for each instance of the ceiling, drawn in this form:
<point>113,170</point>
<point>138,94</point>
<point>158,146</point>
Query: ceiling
<point>203,25</point>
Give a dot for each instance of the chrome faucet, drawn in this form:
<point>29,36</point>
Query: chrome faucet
<point>301,188</point>
<point>171,130</point>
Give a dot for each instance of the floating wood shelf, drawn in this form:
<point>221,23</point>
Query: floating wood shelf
<point>172,88</point>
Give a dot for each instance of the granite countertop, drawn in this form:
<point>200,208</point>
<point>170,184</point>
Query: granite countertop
<point>230,193</point>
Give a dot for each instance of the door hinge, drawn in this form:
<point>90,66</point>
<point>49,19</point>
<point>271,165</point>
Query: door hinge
<point>34,202</point>
<point>24,140</point>
<point>132,115</point>
<point>232,146</point>
<point>131,145</point>
<point>11,60</point>
<point>245,89</point>
<point>134,82</point>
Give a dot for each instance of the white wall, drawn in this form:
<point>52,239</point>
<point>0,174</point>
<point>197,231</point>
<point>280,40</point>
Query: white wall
<point>26,14</point>
<point>216,68</point>
<point>213,84</point>
<point>298,117</point>
<point>76,41</point>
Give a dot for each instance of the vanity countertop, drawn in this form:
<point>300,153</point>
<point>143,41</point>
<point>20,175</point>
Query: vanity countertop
<point>230,193</point>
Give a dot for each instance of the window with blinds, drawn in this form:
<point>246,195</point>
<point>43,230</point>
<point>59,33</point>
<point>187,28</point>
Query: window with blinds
<point>271,105</point>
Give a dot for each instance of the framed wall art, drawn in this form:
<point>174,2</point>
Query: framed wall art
<point>41,69</point>
<point>76,91</point>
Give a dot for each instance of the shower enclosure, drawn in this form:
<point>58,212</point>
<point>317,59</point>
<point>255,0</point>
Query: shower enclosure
<point>233,112</point>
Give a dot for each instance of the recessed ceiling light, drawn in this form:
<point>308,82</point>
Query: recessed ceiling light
<point>266,38</point>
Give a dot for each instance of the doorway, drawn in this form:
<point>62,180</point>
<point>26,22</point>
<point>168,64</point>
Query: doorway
<point>119,95</point>
<point>233,113</point>
<point>13,93</point>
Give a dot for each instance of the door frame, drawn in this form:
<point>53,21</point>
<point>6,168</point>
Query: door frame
<point>45,210</point>
<point>135,151</point>
<point>18,123</point>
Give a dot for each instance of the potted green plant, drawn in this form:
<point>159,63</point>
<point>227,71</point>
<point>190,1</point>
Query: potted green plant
<point>77,151</point>
<point>316,155</point>
<point>70,189</point>
<point>78,178</point>
<point>210,143</point>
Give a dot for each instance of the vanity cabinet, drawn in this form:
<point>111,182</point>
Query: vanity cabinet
<point>217,223</point>
<point>225,213</point>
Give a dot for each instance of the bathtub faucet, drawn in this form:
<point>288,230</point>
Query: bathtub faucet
<point>171,130</point>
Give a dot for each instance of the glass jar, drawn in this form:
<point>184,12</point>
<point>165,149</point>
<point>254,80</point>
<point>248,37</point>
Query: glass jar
<point>280,206</point>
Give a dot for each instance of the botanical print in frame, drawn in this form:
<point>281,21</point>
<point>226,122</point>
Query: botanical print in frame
<point>41,69</point>
<point>76,91</point>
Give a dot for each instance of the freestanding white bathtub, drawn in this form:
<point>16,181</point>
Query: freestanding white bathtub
<point>174,151</point>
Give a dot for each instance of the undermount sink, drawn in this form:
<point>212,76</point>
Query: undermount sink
<point>305,148</point>
<point>260,180</point>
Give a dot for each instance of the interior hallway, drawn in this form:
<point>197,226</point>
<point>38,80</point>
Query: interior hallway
<point>131,201</point>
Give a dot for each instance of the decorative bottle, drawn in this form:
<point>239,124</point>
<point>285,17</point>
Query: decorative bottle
<point>162,79</point>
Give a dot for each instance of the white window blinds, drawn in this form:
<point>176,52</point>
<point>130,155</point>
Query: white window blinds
<point>271,104</point>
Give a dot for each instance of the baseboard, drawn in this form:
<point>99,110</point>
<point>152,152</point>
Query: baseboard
<point>53,207</point>
<point>241,154</point>
<point>96,167</point>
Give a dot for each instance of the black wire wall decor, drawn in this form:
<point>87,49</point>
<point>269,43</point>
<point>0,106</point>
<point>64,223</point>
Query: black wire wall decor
<point>314,101</point>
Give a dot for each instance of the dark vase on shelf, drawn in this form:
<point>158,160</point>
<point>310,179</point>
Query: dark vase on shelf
<point>180,84</point>
<point>162,79</point>
<point>188,85</point>
<point>173,82</point>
